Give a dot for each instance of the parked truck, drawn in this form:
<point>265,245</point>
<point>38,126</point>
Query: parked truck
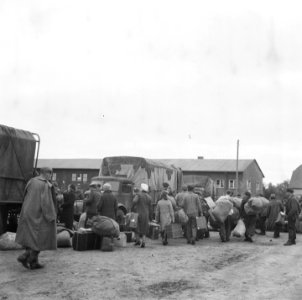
<point>19,151</point>
<point>125,173</point>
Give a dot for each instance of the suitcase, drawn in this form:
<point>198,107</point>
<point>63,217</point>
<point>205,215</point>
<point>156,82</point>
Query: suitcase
<point>82,241</point>
<point>153,232</point>
<point>201,223</point>
<point>174,231</point>
<point>107,244</point>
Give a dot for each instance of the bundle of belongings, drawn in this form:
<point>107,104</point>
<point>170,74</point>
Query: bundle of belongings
<point>100,235</point>
<point>64,236</point>
<point>255,205</point>
<point>7,241</point>
<point>222,209</point>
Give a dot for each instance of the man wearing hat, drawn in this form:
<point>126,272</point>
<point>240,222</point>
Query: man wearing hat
<point>292,209</point>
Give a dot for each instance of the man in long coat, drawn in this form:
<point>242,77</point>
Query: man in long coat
<point>292,209</point>
<point>37,224</point>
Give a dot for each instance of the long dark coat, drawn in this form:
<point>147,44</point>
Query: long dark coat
<point>37,224</point>
<point>108,205</point>
<point>142,202</point>
<point>67,209</point>
<point>273,209</point>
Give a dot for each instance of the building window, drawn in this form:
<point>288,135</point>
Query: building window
<point>248,185</point>
<point>232,184</point>
<point>85,177</point>
<point>220,183</point>
<point>79,177</point>
<point>74,177</point>
<point>54,176</point>
<point>258,186</point>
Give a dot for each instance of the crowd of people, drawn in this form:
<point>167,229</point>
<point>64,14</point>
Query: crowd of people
<point>43,206</point>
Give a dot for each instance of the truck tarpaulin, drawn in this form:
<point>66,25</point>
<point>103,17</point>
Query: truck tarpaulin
<point>141,170</point>
<point>17,152</point>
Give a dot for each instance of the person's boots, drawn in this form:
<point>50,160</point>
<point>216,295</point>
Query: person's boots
<point>23,259</point>
<point>33,260</point>
<point>289,243</point>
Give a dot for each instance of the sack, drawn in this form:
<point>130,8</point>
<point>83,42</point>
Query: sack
<point>239,230</point>
<point>249,210</point>
<point>236,202</point>
<point>174,231</point>
<point>213,222</point>
<point>280,219</point>
<point>105,226</point>
<point>64,239</point>
<point>181,216</point>
<point>201,223</point>
<point>222,209</point>
<point>107,244</point>
<point>7,242</point>
<point>121,241</point>
<point>131,220</point>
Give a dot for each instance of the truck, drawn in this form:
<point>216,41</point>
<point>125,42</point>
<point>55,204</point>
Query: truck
<point>19,150</point>
<point>125,173</point>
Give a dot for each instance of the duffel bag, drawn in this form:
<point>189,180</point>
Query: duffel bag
<point>249,210</point>
<point>131,220</point>
<point>105,226</point>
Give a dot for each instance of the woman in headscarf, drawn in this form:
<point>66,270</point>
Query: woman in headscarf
<point>164,215</point>
<point>142,202</point>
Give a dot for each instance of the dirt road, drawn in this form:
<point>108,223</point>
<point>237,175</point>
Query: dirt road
<point>209,270</point>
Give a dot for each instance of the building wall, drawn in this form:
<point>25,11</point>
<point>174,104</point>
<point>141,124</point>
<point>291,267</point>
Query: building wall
<point>254,175</point>
<point>66,176</point>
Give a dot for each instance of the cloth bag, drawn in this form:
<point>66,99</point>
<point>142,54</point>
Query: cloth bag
<point>280,219</point>
<point>222,209</point>
<point>7,242</point>
<point>131,220</point>
<point>181,216</point>
<point>201,223</point>
<point>239,230</point>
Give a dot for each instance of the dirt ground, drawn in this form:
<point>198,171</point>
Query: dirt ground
<point>209,270</point>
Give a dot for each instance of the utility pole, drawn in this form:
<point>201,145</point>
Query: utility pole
<point>237,177</point>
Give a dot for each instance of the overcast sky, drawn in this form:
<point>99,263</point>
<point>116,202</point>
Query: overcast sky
<point>158,79</point>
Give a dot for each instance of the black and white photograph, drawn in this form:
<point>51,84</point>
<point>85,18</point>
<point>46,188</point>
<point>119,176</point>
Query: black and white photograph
<point>150,149</point>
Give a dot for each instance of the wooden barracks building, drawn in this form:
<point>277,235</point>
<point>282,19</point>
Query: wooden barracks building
<point>222,172</point>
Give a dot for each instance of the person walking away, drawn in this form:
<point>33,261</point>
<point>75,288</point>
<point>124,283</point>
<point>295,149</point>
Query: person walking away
<point>292,210</point>
<point>179,198</point>
<point>37,224</point>
<point>249,220</point>
<point>91,205</point>
<point>108,203</point>
<point>192,207</point>
<point>273,209</point>
<point>164,215</point>
<point>142,202</point>
<point>67,207</point>
<point>225,227</point>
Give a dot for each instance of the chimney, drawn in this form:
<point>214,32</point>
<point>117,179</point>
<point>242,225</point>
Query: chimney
<point>199,157</point>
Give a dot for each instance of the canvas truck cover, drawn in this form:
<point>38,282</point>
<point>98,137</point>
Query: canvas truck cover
<point>141,170</point>
<point>17,154</point>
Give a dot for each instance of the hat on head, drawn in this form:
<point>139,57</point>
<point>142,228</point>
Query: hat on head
<point>107,187</point>
<point>144,187</point>
<point>94,183</point>
<point>165,184</point>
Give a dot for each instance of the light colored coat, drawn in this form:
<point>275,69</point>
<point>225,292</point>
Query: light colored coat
<point>164,213</point>
<point>37,224</point>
